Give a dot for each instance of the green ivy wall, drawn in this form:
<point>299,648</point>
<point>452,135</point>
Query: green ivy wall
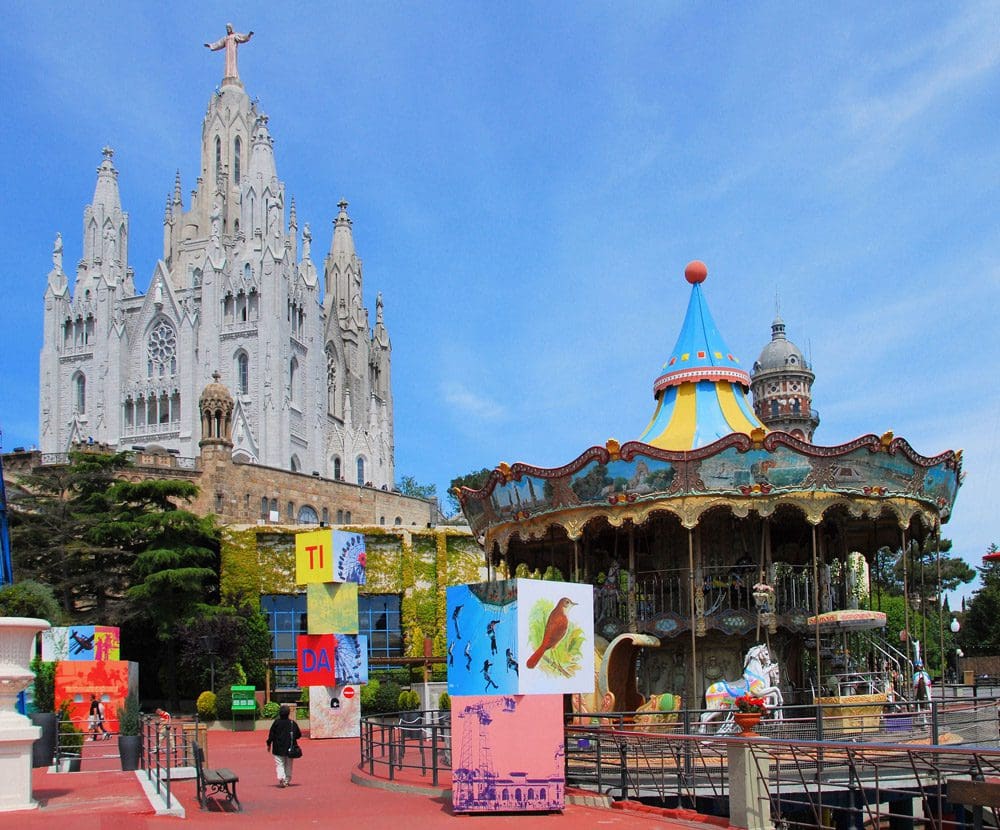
<point>417,565</point>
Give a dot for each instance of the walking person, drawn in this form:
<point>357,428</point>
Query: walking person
<point>95,719</point>
<point>282,742</point>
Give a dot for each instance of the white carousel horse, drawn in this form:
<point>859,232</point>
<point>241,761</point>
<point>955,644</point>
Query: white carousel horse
<point>760,679</point>
<point>921,687</point>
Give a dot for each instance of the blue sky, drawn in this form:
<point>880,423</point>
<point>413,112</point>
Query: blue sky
<point>527,182</point>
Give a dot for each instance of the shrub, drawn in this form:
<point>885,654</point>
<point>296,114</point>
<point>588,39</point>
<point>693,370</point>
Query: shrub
<point>128,715</point>
<point>387,697</point>
<point>70,735</point>
<point>224,703</point>
<point>45,685</point>
<point>368,694</point>
<point>206,706</point>
<point>444,701</point>
<point>270,711</point>
<point>408,700</point>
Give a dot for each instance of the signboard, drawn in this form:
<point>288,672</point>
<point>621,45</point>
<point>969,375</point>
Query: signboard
<point>244,699</point>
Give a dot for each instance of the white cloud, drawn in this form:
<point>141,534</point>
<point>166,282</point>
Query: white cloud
<point>470,403</point>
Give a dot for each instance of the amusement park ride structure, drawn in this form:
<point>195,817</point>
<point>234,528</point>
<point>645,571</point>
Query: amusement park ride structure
<point>711,534</point>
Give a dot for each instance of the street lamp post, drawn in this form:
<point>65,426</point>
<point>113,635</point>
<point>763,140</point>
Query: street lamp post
<point>955,627</point>
<point>208,643</point>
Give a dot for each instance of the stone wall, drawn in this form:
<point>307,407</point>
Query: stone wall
<point>233,492</point>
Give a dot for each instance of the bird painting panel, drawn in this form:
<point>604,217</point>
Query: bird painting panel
<point>556,633</point>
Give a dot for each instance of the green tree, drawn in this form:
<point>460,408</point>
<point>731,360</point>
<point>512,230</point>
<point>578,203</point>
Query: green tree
<point>980,633</point>
<point>474,481</point>
<point>408,486</point>
<point>53,511</point>
<point>236,635</point>
<point>176,558</point>
<point>28,598</point>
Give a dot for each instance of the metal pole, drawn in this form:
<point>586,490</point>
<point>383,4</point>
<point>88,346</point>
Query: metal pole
<point>940,602</point>
<point>815,556</point>
<point>694,643</point>
<point>906,597</point>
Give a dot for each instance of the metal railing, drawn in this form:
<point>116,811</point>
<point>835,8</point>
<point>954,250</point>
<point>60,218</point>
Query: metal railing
<point>849,764</point>
<point>166,746</point>
<point>806,783</point>
<point>425,736</point>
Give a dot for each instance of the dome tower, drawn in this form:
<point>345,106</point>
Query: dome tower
<point>781,385</point>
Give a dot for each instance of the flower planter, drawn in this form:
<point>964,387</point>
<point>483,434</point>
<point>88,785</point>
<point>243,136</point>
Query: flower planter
<point>747,721</point>
<point>43,750</point>
<point>130,750</point>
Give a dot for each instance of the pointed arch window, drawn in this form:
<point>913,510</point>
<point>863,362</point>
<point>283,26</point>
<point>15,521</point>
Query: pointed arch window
<point>361,470</point>
<point>243,373</point>
<point>218,157</point>
<point>293,380</point>
<point>80,393</point>
<point>237,148</point>
<point>336,468</point>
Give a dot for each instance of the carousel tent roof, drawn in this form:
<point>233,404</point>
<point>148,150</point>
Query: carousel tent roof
<point>701,390</point>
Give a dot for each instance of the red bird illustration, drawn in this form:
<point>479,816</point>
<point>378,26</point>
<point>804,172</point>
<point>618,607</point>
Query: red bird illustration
<point>555,629</point>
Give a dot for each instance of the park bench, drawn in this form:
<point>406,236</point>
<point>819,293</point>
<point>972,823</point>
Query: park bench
<point>214,782</point>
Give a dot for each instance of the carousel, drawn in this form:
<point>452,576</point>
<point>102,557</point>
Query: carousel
<point>710,536</point>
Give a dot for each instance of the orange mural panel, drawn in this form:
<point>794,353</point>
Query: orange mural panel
<point>77,680</point>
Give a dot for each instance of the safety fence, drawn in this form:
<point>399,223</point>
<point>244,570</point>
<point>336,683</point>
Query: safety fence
<point>817,766</point>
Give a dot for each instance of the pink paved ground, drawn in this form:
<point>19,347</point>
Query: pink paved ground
<point>323,793</point>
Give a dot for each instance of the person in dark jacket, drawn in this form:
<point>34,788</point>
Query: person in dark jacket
<point>280,738</point>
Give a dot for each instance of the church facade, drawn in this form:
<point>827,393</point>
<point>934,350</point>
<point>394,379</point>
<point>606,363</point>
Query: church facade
<point>236,292</point>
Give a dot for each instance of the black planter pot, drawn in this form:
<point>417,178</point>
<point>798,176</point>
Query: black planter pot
<point>130,749</point>
<point>43,750</point>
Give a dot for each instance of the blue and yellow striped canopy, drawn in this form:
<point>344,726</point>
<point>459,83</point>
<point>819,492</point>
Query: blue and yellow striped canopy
<point>701,390</point>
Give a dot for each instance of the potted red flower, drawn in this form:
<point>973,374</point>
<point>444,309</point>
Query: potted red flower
<point>749,711</point>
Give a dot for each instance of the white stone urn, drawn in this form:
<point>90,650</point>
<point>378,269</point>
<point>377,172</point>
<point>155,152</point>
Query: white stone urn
<point>17,639</point>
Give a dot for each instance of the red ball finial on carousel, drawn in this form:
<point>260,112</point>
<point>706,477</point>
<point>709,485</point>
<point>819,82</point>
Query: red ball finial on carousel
<point>696,271</point>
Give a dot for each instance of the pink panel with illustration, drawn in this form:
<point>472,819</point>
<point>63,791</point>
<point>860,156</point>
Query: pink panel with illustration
<point>507,753</point>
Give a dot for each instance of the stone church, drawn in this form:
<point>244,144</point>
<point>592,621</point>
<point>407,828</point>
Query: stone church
<point>236,293</point>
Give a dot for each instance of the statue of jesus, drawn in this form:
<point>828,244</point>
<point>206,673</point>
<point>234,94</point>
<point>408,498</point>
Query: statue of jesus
<point>229,42</point>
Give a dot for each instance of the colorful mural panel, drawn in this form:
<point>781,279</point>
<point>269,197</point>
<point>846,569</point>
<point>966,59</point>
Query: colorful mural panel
<point>495,766</point>
<point>520,636</point>
<point>110,680</point>
<point>482,638</point>
<point>351,665</point>
<point>314,557</point>
<point>351,557</point>
<point>334,712</point>
<point>734,467</point>
<point>332,607</point>
<point>555,635</point>
<point>316,659</point>
<point>81,642</point>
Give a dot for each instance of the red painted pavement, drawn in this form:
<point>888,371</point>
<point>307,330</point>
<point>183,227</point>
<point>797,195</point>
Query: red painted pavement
<point>322,794</point>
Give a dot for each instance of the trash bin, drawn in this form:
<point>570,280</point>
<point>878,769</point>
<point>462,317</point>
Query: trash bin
<point>968,677</point>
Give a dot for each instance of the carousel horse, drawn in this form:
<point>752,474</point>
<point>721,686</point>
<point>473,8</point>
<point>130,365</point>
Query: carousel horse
<point>921,687</point>
<point>760,679</point>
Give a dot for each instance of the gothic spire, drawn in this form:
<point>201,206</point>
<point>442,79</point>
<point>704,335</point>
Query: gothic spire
<point>342,244</point>
<point>106,190</point>
<point>262,153</point>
